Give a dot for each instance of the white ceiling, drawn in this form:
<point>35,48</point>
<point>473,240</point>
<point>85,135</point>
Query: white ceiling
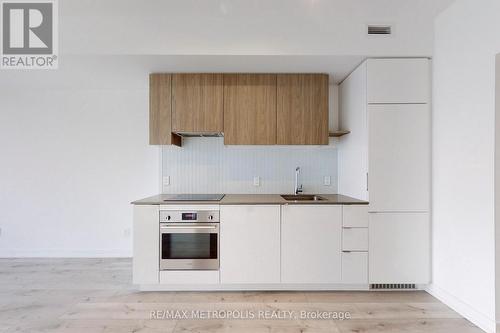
<point>116,43</point>
<point>130,72</point>
<point>247,27</point>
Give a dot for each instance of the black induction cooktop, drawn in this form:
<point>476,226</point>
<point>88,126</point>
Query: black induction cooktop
<point>193,197</point>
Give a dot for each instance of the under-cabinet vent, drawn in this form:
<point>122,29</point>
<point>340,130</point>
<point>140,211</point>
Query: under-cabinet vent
<point>199,134</point>
<point>379,30</point>
<point>393,286</point>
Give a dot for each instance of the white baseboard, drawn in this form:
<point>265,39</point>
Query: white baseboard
<point>254,287</point>
<point>466,310</point>
<point>64,253</point>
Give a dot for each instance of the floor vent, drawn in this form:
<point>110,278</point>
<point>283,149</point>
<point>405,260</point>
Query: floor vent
<point>393,286</point>
<point>379,30</point>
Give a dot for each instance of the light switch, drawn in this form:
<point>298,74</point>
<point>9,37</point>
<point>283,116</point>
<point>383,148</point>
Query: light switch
<point>327,181</point>
<point>256,181</point>
<point>166,180</point>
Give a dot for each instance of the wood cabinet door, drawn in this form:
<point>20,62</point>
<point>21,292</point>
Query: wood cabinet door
<point>197,103</point>
<point>160,111</point>
<point>249,109</point>
<point>311,243</point>
<point>302,109</point>
<point>250,244</point>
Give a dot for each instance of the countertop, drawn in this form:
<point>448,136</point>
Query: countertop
<point>254,199</point>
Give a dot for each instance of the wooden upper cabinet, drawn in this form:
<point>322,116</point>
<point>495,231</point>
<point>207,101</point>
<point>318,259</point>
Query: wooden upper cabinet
<point>302,109</point>
<point>249,109</point>
<point>197,101</point>
<point>160,125</point>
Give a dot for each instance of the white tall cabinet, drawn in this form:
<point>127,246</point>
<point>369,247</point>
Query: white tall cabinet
<point>385,103</point>
<point>399,158</point>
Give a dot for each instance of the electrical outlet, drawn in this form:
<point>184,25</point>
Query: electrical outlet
<point>327,181</point>
<point>166,180</point>
<point>126,232</point>
<point>256,181</point>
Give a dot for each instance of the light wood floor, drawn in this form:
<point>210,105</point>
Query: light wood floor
<point>96,295</point>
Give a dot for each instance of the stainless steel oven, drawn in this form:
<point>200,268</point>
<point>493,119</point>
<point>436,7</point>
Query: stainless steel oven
<point>189,240</point>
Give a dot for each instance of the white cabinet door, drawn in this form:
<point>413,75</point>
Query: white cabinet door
<point>311,244</point>
<point>146,260</point>
<point>399,155</point>
<point>399,248</point>
<point>355,216</point>
<point>250,244</point>
<point>355,267</point>
<point>398,81</point>
<point>355,239</point>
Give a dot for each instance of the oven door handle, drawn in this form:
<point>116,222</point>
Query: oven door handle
<point>187,227</point>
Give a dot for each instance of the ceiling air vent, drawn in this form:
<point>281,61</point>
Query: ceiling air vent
<point>379,30</point>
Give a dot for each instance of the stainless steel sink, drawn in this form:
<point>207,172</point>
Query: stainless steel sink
<point>302,197</point>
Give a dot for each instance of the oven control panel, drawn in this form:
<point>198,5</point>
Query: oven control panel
<point>180,216</point>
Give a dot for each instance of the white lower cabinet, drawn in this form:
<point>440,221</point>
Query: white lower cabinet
<point>146,259</point>
<point>399,248</point>
<point>250,244</point>
<point>189,277</point>
<point>311,244</point>
<point>355,267</point>
<point>355,216</point>
<point>355,239</point>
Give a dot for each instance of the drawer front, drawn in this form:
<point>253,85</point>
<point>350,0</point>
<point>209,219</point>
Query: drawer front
<point>354,267</point>
<point>355,239</point>
<point>189,277</point>
<point>355,216</point>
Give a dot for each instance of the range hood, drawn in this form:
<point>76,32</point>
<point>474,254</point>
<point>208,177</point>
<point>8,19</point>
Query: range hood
<point>199,134</point>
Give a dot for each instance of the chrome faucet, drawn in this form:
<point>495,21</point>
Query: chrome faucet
<point>297,188</point>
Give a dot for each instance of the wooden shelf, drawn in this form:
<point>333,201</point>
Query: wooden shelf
<point>336,134</point>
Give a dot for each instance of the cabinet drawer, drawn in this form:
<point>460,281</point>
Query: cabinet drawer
<point>354,267</point>
<point>355,239</point>
<point>355,216</point>
<point>189,277</point>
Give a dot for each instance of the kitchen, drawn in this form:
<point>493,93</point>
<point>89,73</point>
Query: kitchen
<point>220,166</point>
<point>292,241</point>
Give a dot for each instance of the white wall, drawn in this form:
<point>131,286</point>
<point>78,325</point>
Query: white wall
<point>205,165</point>
<point>74,154</point>
<point>73,142</point>
<point>466,41</point>
<point>353,148</point>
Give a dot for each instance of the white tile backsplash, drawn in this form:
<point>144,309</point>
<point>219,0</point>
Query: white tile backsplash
<point>205,165</point>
